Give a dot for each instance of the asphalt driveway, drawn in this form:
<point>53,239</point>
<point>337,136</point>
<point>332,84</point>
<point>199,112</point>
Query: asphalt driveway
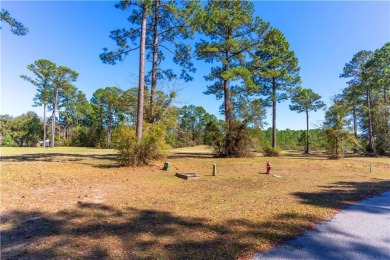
<point>361,231</point>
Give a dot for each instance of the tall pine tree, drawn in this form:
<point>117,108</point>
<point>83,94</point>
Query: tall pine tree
<point>232,33</point>
<point>277,71</point>
<point>306,100</point>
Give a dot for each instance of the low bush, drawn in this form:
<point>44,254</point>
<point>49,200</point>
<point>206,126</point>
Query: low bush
<point>272,152</point>
<point>135,153</point>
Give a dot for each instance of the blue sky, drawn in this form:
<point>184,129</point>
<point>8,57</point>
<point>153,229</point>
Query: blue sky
<point>324,36</point>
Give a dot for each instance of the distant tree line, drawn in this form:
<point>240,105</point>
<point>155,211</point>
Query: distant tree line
<point>189,126</point>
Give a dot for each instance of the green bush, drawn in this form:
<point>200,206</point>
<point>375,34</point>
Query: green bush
<point>135,153</point>
<point>273,152</point>
<point>236,142</point>
<point>8,141</point>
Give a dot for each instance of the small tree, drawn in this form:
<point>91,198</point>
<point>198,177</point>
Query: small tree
<point>305,100</point>
<point>26,129</point>
<point>337,136</point>
<point>135,153</point>
<point>109,107</point>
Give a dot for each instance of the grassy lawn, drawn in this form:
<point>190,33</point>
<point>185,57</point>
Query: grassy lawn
<point>77,203</point>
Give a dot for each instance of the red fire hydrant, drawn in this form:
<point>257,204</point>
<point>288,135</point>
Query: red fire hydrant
<point>268,168</point>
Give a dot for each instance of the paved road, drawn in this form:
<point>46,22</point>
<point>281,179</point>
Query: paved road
<point>361,231</point>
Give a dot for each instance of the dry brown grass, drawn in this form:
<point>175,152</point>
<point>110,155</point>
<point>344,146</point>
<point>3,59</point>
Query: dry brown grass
<point>76,203</point>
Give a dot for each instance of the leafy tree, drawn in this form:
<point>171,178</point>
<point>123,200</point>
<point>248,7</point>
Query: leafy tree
<point>5,130</point>
<point>213,135</point>
<point>302,140</point>
<point>109,106</point>
<point>306,100</point>
<point>277,71</point>
<point>192,121</point>
<point>16,27</point>
<point>44,71</point>
<point>232,33</point>
<point>26,129</point>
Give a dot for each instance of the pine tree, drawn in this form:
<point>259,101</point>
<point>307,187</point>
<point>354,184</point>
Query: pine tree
<point>356,72</point>
<point>232,33</point>
<point>44,71</point>
<point>306,100</point>
<point>158,32</point>
<point>17,27</point>
<point>277,71</point>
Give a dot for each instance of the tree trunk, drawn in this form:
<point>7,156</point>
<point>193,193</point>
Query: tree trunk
<point>228,108</point>
<point>385,94</point>
<point>154,62</point>
<point>355,148</point>
<point>53,119</point>
<point>273,113</point>
<point>370,139</point>
<point>44,125</point>
<point>109,131</point>
<point>140,105</point>
<point>307,132</point>
<point>226,91</point>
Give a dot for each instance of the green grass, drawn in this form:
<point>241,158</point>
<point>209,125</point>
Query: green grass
<point>77,203</point>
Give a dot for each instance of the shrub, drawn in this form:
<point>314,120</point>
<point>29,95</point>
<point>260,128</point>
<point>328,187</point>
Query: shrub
<point>135,153</point>
<point>8,141</point>
<point>237,141</point>
<point>213,136</point>
<point>338,141</point>
<point>269,151</point>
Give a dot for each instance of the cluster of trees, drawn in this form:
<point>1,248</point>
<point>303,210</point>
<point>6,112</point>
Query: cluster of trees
<point>252,68</point>
<point>360,116</point>
<point>24,130</point>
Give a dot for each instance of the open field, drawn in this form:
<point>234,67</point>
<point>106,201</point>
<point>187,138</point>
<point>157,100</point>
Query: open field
<point>77,203</point>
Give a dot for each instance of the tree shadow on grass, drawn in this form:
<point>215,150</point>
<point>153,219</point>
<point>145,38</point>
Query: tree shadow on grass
<point>343,193</point>
<point>197,155</point>
<point>50,157</point>
<point>100,232</point>
<point>65,157</point>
